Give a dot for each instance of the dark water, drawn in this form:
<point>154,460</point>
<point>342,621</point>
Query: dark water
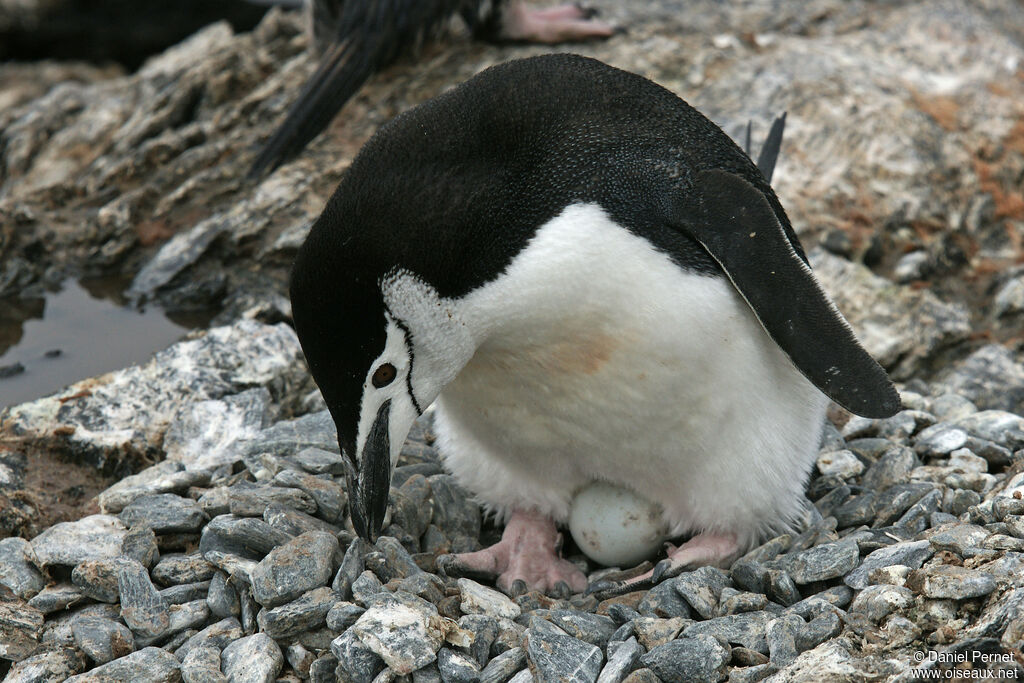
<point>80,331</point>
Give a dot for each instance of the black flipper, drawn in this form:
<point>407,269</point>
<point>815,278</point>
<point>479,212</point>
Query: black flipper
<point>368,36</point>
<point>772,144</point>
<point>740,230</point>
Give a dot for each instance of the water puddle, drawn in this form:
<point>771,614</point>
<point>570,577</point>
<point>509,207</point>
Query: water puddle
<point>83,330</point>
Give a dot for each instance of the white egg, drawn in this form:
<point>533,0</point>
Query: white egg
<point>614,526</point>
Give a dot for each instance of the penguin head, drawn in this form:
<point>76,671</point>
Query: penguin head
<point>381,345</point>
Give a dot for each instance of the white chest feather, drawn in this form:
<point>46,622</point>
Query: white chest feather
<point>597,358</point>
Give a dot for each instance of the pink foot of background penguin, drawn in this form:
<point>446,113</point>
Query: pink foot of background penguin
<point>605,302</point>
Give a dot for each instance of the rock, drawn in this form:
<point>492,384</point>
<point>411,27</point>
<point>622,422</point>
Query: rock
<point>95,537</point>
<point>505,665</point>
<point>329,496</point>
<point>697,658</point>
<point>248,537</point>
<point>149,665</point>
<point>252,500</point>
<point>222,598</point>
<point>359,662</point>
<point>163,513</point>
<point>20,630</point>
<point>102,640</point>
<point>781,636</point>
<point>958,537</point>
<point>455,514</point>
<point>56,598</point>
<point>745,629</point>
<point>555,656</point>
<point>142,608</point>
<point>176,568</point>
<point>97,579</point>
<point>164,477</point>
<point>893,467</point>
<point>701,588</point>
<point>948,581</point>
<point>139,544</point>
<point>1010,298</point>
<point>319,461</point>
<point>406,635</point>
<point>822,562</point>
<point>288,571</point>
<point>456,667</point>
<point>999,426</point>
<point>737,602</point>
<point>664,601</point>
<point>49,666</point>
<point>909,553</point>
<point>878,602</point>
<point>842,463</point>
<point>187,615</point>
<point>991,377</point>
<point>366,587</point>
<point>939,440</point>
<point>204,435</point>
<point>304,614</point>
<point>342,615</point>
<point>18,568</point>
<point>218,634</point>
<point>202,665</point>
<point>622,658</point>
<point>295,523</point>
<point>477,599</point>
<point>256,658</point>
<point>652,632</point>
<point>299,658</point>
<point>891,503</point>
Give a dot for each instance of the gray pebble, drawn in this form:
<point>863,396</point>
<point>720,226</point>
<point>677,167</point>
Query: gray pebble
<point>49,666</point>
<point>878,602</point>
<point>745,629</point>
<point>202,665</point>
<point>359,662</point>
<point>254,659</point>
<point>140,544</point>
<point>366,587</point>
<point>57,597</point>
<point>503,667</point>
<point>698,658</point>
<point>177,568</point>
<point>248,610</point>
<point>951,407</point>
<point>752,674</point>
<point>218,634</point>
<point>90,538</point>
<point>892,468</point>
<point>962,501</point>
<point>818,630</point>
<point>958,538</point>
<point>17,570</point>
<point>559,658</point>
<point>248,537</point>
<point>398,628</point>
<point>102,640</point>
<point>342,615</point>
<point>455,514</point>
<point>857,510</point>
<point>325,669</point>
<point>164,513</point>
<point>222,598</point>
<point>895,500</point>
<point>187,615</point>
<point>733,601</point>
<point>352,566</point>
<point>428,586</point>
<point>949,581</point>
<point>595,629</point>
<point>142,608</point>
<point>664,601</point>
<point>841,463</point>
<point>98,578</point>
<point>251,500</point>
<point>836,596</point>
<point>484,630</point>
<point>1004,428</point>
<point>390,560</point>
<point>478,599</point>
<point>652,632</point>
<point>701,588</point>
<point>622,658</point>
<point>186,592</point>
<point>288,571</point>
<point>770,549</point>
<point>328,495</point>
<point>149,665</point>
<point>909,553</point>
<point>299,658</point>
<point>456,667</point>
<point>822,562</point>
<point>917,517</point>
<point>1002,506</point>
<point>939,440</point>
<point>781,636</point>
<point>306,613</point>
<point>319,461</point>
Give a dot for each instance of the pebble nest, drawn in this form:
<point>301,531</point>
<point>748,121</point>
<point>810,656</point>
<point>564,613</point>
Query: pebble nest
<point>249,571</point>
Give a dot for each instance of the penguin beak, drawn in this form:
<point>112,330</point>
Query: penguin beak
<point>370,486</point>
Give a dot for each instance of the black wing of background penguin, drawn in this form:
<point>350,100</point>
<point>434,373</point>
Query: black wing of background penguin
<point>358,37</point>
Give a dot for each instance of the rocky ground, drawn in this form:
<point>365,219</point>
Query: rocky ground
<point>225,551</point>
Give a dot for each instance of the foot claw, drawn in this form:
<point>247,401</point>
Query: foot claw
<point>561,591</point>
<point>518,588</point>
<point>452,566</point>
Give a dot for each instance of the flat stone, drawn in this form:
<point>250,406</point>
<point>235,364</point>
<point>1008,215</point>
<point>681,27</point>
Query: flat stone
<point>478,599</point>
<point>103,640</point>
<point>21,627</point>
<point>18,570</point>
<point>556,657</point>
<point>164,513</point>
<point>737,602</point>
<point>288,571</point>
<point>1002,427</point>
<point>251,500</point>
<point>891,503</point>
<point>329,496</point>
<point>590,628</point>
<point>187,615</point>
<point>949,581</point>
<point>342,615</point>
<point>205,435</point>
<point>622,659</point>
<point>177,568</point>
<point>822,562</point>
<point>202,665</point>
<point>878,602</point>
<point>299,658</point>
<point>358,661</point>
<point>991,377</point>
<point>149,665</point>
<point>893,467</point>
<point>94,537</point>
<point>652,632</point>
<point>56,598</point>
<point>256,659</point>
<point>781,636</point>
<point>745,629</point>
<point>164,477</point>
<point>50,666</point>
<point>319,461</point>
<point>456,667</point>
<point>664,601</point>
<point>701,588</point>
<point>185,592</point>
<point>390,560</point>
<point>218,635</point>
<point>504,666</point>
<point>142,608</point>
<point>295,523</point>
<point>365,587</point>
<point>909,553</point>
<point>140,544</point>
<point>842,463</point>
<point>455,514</point>
<point>97,579</point>
<point>939,440</point>
<point>405,635</point>
<point>248,537</point>
<point>959,537</point>
<point>309,611</point>
<point>697,658</point>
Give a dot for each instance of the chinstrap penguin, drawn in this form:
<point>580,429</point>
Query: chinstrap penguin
<point>356,38</point>
<point>591,282</point>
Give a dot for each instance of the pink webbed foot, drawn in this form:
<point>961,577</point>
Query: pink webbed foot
<point>706,549</point>
<point>559,24</point>
<point>526,558</point>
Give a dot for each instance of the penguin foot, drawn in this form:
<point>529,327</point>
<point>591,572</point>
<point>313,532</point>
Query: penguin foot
<point>559,24</point>
<point>707,549</point>
<point>526,558</point>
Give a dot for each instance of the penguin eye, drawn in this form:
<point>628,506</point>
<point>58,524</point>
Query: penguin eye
<point>384,375</point>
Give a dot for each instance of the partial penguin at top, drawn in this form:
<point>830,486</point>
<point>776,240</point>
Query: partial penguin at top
<point>591,284</point>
